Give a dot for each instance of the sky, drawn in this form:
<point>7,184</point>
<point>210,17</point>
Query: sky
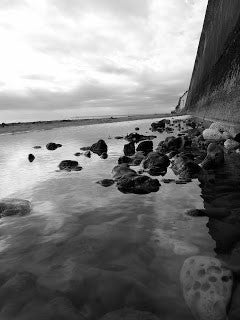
<point>68,58</point>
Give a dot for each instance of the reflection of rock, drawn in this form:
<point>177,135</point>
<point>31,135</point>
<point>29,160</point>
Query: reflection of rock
<point>53,146</point>
<point>137,184</point>
<point>69,165</point>
<point>12,207</point>
<point>207,287</point>
<point>99,147</point>
<point>129,314</point>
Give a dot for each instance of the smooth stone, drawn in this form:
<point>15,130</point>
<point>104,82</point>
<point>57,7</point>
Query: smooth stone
<point>69,165</point>
<point>104,155</point>
<point>122,170</point>
<point>207,287</point>
<point>212,134</point>
<point>145,146</point>
<point>99,147</point>
<point>53,146</point>
<point>231,144</point>
<point>12,207</point>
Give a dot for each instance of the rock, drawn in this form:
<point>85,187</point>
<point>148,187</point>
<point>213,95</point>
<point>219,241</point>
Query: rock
<point>77,154</point>
<point>85,148</point>
<point>226,135</point>
<point>129,149</point>
<point>137,184</point>
<point>234,311</point>
<point>129,314</point>
<point>13,207</point>
<point>156,163</point>
<point>145,146</point>
<point>124,159</point>
<point>31,157</point>
<point>212,134</point>
<point>99,147</point>
<point>53,146</point>
<point>104,155</point>
<point>237,137</point>
<point>167,180</point>
<point>174,144</point>
<point>207,287</point>
<point>135,137</point>
<point>158,126</point>
<point>118,137</point>
<point>185,167</point>
<point>137,158</point>
<point>231,144</point>
<point>218,126</point>
<point>69,165</point>
<point>214,158</point>
<point>37,147</point>
<point>137,129</point>
<point>106,182</point>
<point>122,170</point>
<point>87,154</point>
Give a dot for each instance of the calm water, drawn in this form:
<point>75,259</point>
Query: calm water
<point>95,247</point>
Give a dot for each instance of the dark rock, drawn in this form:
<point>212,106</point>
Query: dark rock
<point>118,137</point>
<point>31,157</point>
<point>124,159</point>
<point>214,158</point>
<point>129,149</point>
<point>87,154</point>
<point>137,184</point>
<point>104,155</point>
<point>12,207</point>
<point>137,158</point>
<point>99,147</point>
<point>135,137</point>
<point>167,180</point>
<point>77,154</point>
<point>145,146</point>
<point>85,148</point>
<point>156,163</point>
<point>37,147</point>
<point>136,128</point>
<point>237,137</point>
<point>122,170</point>
<point>185,167</point>
<point>158,126</point>
<point>106,182</point>
<point>53,146</point>
<point>69,165</point>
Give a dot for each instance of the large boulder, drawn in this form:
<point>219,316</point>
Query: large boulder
<point>156,163</point>
<point>207,287</point>
<point>145,146</point>
<point>69,165</point>
<point>129,149</point>
<point>174,144</point>
<point>137,184</point>
<point>13,207</point>
<point>184,166</point>
<point>214,158</point>
<point>99,147</point>
<point>231,144</point>
<point>53,146</point>
<point>129,314</point>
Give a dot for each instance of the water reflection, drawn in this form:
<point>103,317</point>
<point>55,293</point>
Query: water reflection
<point>88,249</point>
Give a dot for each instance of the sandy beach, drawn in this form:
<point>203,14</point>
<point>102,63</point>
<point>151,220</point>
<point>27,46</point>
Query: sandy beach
<point>48,125</point>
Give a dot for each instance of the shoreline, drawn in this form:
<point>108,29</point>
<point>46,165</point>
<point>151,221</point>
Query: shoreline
<point>11,128</point>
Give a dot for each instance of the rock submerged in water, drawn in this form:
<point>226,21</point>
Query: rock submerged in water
<point>37,147</point>
<point>106,182</point>
<point>207,287</point>
<point>69,165</point>
<point>13,207</point>
<point>129,314</point>
<point>53,146</point>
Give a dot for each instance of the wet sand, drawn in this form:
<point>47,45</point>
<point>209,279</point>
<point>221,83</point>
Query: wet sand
<point>48,125</point>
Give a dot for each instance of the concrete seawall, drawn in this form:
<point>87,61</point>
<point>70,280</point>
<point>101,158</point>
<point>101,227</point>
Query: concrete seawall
<point>214,91</point>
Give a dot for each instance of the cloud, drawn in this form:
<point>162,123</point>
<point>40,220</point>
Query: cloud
<point>77,56</point>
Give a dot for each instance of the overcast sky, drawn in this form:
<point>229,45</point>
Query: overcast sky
<point>65,58</point>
